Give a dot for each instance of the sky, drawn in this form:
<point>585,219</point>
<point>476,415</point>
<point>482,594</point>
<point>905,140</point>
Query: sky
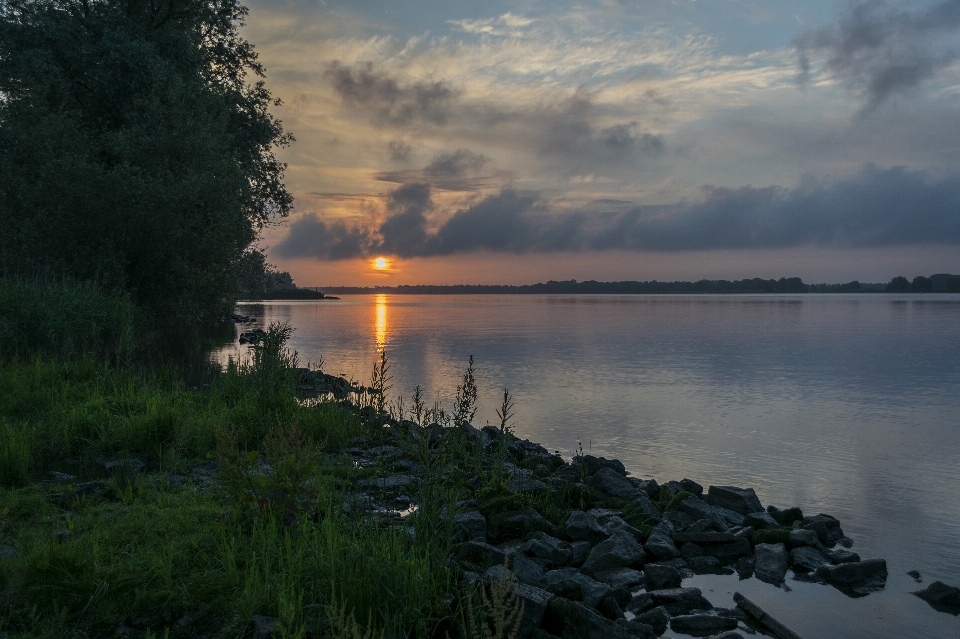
<point>484,142</point>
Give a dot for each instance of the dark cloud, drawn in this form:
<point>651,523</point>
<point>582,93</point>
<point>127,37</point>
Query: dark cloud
<point>874,208</point>
<point>457,163</point>
<point>882,48</point>
<point>399,150</point>
<point>388,100</point>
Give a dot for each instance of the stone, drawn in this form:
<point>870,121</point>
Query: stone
<point>857,578</point>
<point>610,606</point>
<point>483,554</point>
<point>806,559</point>
<point>785,517</point>
<point>841,556</point>
<point>659,544</point>
<point>613,483</point>
<point>699,509</point>
<point>649,486</point>
<point>681,601</point>
<point>60,478</point>
<point>691,487</point>
<point>745,567</point>
<point>572,584</point>
<point>916,575</point>
<point>647,506</point>
<point>704,565</point>
<point>690,549</point>
<point>515,524</point>
<point>524,484</point>
<point>709,537</point>
<point>827,528</point>
<point>387,483</point>
<point>470,525</point>
<point>573,620</point>
<point>760,520</point>
<point>588,464</point>
<point>801,537</point>
<point>732,517</point>
<point>740,500</point>
<point>619,551</point>
<point>544,546</point>
<point>701,625</point>
<point>745,533</point>
<point>133,464</point>
<point>941,597</point>
<point>526,570</point>
<point>657,618</point>
<point>661,577</point>
<point>770,563</point>
<point>621,577</point>
<point>729,552</point>
<point>535,602</point>
<point>730,634</point>
<point>583,527</point>
<point>769,624</point>
<point>579,551</point>
<point>616,524</point>
<point>637,630</point>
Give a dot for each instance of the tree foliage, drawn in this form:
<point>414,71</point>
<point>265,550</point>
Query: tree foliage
<point>136,148</point>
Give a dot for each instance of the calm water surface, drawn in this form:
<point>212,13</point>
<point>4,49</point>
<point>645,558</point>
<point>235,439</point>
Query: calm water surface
<point>843,404</point>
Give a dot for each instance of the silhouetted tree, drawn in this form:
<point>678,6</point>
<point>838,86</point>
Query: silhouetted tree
<point>921,284</point>
<point>899,284</point>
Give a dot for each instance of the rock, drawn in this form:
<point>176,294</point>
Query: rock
<point>647,506</point>
<point>703,537</point>
<point>785,517</point>
<point>470,525</point>
<point>827,528</point>
<point>661,577</point>
<point>263,626</point>
<point>582,527</point>
<point>740,500</point>
<point>846,542</point>
<point>387,483</point>
<point>613,483</point>
<point>133,464</point>
<point>572,584</point>
<point>760,520</point>
<point>483,554</point>
<point>690,549</point>
<point>701,625</point>
<point>745,533</point>
<point>619,551</point>
<point>841,556</point>
<point>9,552</point>
<point>640,603</point>
<point>801,537</point>
<point>680,601</point>
<point>857,578</point>
<point>730,634</point>
<point>616,524</point>
<point>611,605</point>
<point>515,524</point>
<point>916,575</point>
<point>745,567</point>
<point>526,570</point>
<point>691,487</point>
<point>579,551</point>
<point>649,486</point>
<point>941,597</point>
<point>806,559</point>
<point>588,464</point>
<point>60,478</point>
<point>701,510</point>
<point>621,577</point>
<point>637,630</point>
<point>704,565</point>
<point>659,544</point>
<point>573,620</point>
<point>658,618</point>
<point>770,624</point>
<point>544,546</point>
<point>535,602</point>
<point>729,552</point>
<point>770,563</point>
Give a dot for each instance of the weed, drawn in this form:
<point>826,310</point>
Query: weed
<point>499,613</point>
<point>505,413</point>
<point>419,410</point>
<point>465,404</point>
<point>380,382</point>
<point>14,455</point>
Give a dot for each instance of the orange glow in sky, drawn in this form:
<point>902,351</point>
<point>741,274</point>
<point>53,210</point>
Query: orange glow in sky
<point>380,263</point>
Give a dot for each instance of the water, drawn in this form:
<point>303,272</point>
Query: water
<point>843,404</point>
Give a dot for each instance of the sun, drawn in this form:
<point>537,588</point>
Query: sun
<point>380,263</point>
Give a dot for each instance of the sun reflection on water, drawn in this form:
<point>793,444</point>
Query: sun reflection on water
<point>381,322</point>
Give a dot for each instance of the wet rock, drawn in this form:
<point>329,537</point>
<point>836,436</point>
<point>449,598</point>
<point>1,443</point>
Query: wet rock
<point>572,584</point>
<point>515,524</point>
<point>806,559</point>
<point>544,546</point>
<point>740,500</point>
<point>941,597</point>
<point>690,549</point>
<point>709,537</point>
<point>647,506</point>
<point>659,544</point>
<point>470,525</point>
<point>583,527</point>
<point>705,565</point>
<point>483,554</point>
<point>801,537</point>
<point>846,542</point>
<point>729,552</point>
<point>785,517</point>
<point>827,528</point>
<point>573,620</point>
<point>637,630</point>
<point>760,520</point>
<point>641,602</point>
<point>526,570</point>
<point>649,486</point>
<point>657,618</point>
<point>916,575</point>
<point>621,577</point>
<point>857,578</point>
<point>729,634</point>
<point>619,551</point>
<point>661,577</point>
<point>841,556</point>
<point>769,624</point>
<point>579,551</point>
<point>770,563</point>
<point>611,606</point>
<point>745,566</point>
<point>732,517</point>
<point>699,509</point>
<point>701,625</point>
<point>616,524</point>
<point>588,464</point>
<point>613,483</point>
<point>691,487</point>
<point>680,601</point>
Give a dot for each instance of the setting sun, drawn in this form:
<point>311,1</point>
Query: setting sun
<point>380,263</point>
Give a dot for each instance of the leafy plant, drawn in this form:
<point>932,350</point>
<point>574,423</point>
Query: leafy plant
<point>499,612</point>
<point>380,382</point>
<point>505,413</point>
<point>465,404</point>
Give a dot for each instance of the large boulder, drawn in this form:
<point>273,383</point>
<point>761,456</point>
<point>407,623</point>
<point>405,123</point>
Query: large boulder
<point>827,528</point>
<point>729,552</point>
<point>638,630</point>
<point>801,537</point>
<point>806,559</point>
<point>681,601</point>
<point>572,584</point>
<point>583,527</point>
<point>613,483</point>
<point>857,578</point>
<point>621,577</point>
<point>941,597</point>
<point>526,570</point>
<point>616,524</point>
<point>619,551</point>
<point>649,486</point>
<point>657,618</point>
<point>699,509</point>
<point>551,549</point>
<point>770,563</point>
<point>760,520</point>
<point>659,544</point>
<point>573,620</point>
<point>647,506</point>
<point>514,524</point>
<point>661,577</point>
<point>470,525</point>
<point>741,500</point>
<point>588,465</point>
<point>701,625</point>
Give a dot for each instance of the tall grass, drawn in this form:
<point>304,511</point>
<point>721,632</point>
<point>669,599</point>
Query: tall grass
<point>65,320</point>
<point>14,455</point>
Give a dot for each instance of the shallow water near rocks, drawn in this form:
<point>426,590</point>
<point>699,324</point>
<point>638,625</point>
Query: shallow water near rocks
<point>842,404</point>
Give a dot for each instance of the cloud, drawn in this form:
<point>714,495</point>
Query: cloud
<point>458,170</point>
<point>399,150</point>
<point>457,163</point>
<point>387,100</point>
<point>877,207</point>
<point>882,49</point>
